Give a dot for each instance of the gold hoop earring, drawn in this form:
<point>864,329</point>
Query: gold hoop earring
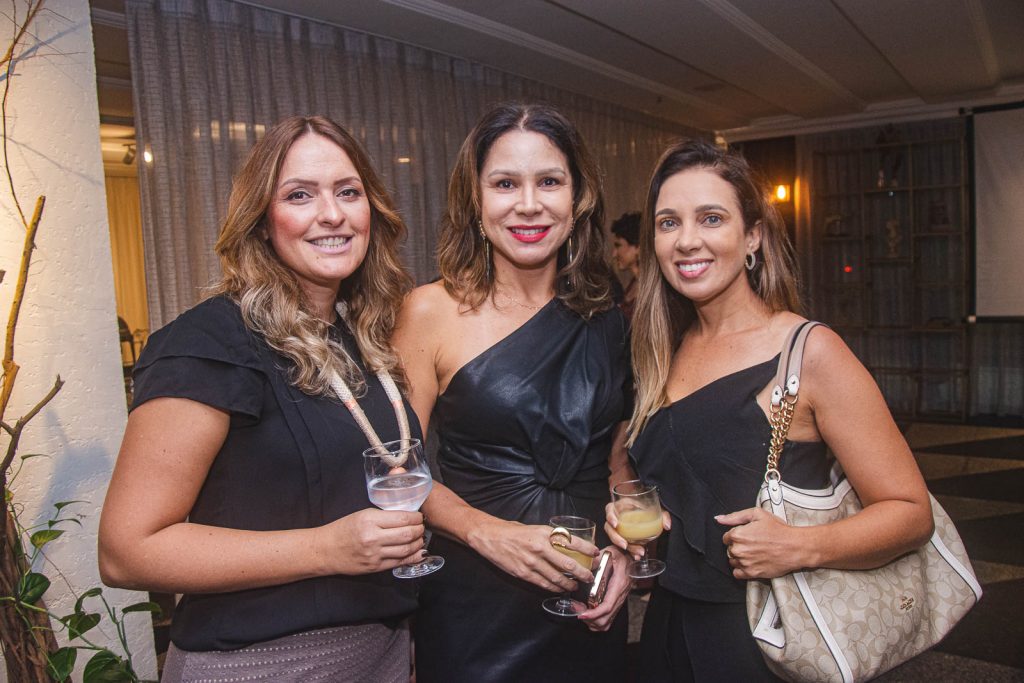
<point>569,252</point>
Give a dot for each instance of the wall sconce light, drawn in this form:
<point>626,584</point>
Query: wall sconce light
<point>129,155</point>
<point>781,194</point>
<point>147,156</point>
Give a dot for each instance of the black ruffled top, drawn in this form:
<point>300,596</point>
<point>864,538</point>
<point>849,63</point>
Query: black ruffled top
<point>707,454</point>
<point>289,461</point>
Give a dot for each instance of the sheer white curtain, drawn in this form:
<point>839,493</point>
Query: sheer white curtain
<point>210,75</point>
<point>997,369</point>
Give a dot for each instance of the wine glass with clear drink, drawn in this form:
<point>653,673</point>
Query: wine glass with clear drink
<point>562,528</point>
<point>639,512</point>
<point>398,478</point>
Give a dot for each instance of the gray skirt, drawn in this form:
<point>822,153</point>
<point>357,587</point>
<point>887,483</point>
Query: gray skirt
<point>370,653</point>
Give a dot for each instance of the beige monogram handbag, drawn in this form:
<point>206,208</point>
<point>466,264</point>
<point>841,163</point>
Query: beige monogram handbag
<point>849,625</point>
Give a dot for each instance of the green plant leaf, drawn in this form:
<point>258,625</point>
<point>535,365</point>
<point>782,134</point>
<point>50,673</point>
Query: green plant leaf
<point>91,593</point>
<point>60,520</point>
<point>143,607</point>
<point>106,667</point>
<point>8,495</point>
<point>41,538</point>
<point>59,664</point>
<point>31,587</point>
<point>54,522</point>
<point>64,503</point>
<point>80,622</point>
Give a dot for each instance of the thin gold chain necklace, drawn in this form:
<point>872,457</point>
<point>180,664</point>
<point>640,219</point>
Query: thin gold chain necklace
<point>521,304</point>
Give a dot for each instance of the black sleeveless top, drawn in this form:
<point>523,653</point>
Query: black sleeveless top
<point>707,454</point>
<point>289,461</point>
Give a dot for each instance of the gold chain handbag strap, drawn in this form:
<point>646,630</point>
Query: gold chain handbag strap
<point>785,392</point>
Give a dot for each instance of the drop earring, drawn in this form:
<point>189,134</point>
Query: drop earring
<point>487,250</point>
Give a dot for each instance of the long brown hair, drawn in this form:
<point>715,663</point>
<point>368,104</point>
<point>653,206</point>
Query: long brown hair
<point>662,315</point>
<point>272,301</point>
<point>584,284</point>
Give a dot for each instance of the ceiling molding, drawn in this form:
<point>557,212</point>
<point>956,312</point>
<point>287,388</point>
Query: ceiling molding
<point>473,22</point>
<point>780,49</point>
<point>873,115</point>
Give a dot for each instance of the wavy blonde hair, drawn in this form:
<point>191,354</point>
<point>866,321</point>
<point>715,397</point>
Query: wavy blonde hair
<point>268,292</point>
<point>662,315</point>
<point>584,284</point>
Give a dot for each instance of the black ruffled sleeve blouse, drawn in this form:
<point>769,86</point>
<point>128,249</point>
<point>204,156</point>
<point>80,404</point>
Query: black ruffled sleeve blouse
<point>289,461</point>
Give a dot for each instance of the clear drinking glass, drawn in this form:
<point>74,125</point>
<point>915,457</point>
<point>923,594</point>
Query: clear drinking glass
<point>398,478</point>
<point>639,512</point>
<point>580,527</point>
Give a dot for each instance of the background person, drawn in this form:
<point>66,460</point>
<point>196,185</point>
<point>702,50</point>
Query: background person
<point>625,255</point>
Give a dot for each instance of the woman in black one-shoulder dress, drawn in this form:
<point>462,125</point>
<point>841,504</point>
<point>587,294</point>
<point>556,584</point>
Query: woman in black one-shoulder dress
<point>520,360</point>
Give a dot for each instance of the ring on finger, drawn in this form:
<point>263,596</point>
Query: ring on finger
<point>556,536</point>
<point>728,553</point>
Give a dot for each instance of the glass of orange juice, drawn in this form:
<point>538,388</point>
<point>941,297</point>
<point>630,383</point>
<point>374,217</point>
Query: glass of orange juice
<point>566,526</point>
<point>639,513</point>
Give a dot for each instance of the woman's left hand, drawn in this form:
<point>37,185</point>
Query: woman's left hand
<point>600,618</point>
<point>760,545</point>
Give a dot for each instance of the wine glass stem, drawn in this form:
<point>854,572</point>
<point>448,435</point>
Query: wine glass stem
<point>643,559</point>
<point>565,601</point>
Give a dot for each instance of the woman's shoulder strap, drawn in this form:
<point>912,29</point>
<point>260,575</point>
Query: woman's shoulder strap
<point>787,377</point>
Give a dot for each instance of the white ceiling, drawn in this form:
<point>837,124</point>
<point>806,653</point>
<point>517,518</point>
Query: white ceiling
<point>743,68</point>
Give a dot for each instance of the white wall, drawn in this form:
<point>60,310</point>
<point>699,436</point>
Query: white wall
<point>68,324</point>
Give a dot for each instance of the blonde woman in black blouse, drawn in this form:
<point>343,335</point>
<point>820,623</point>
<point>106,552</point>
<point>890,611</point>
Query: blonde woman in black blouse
<point>240,479</point>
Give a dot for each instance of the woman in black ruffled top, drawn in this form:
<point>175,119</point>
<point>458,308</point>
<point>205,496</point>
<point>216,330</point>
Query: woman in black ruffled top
<point>240,479</point>
<point>717,298</point>
<point>520,359</point>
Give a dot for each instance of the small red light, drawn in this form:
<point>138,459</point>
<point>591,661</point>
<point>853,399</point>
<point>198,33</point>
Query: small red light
<point>847,269</point>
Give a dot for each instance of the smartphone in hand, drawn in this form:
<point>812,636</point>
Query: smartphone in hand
<point>601,577</point>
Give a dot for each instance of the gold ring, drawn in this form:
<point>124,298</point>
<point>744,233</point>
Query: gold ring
<point>557,533</point>
<point>728,553</point>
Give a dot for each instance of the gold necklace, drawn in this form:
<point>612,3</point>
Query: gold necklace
<point>521,304</point>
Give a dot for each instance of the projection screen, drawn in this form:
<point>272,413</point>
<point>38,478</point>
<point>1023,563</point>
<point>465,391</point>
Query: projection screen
<point>999,213</point>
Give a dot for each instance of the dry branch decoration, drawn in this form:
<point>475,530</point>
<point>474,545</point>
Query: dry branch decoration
<point>30,650</point>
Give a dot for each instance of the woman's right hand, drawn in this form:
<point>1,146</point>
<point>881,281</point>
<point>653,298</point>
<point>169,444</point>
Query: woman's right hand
<point>525,552</point>
<point>612,521</point>
<point>369,541</point>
